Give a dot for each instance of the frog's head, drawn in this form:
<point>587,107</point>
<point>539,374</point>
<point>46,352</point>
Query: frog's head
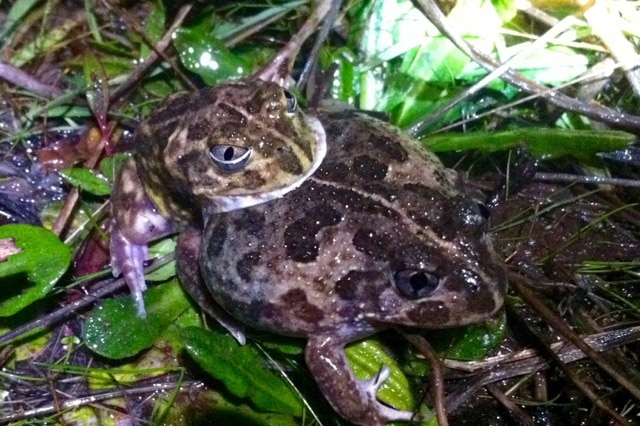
<point>248,142</point>
<point>449,276</point>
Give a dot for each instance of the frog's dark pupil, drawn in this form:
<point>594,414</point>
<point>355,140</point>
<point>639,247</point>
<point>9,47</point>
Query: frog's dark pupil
<point>415,284</point>
<point>230,158</point>
<point>228,154</point>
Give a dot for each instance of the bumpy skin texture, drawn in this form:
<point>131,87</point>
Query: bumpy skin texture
<point>381,234</point>
<point>227,147</point>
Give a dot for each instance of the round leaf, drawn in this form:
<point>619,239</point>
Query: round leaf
<point>29,275</point>
<point>114,329</point>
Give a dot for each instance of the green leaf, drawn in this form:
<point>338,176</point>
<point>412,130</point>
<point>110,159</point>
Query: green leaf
<point>43,260</point>
<point>241,369</point>
<point>154,27</point>
<point>17,12</point>
<point>552,65</point>
<point>230,30</point>
<point>109,166</point>
<point>87,180</point>
<point>366,358</point>
<point>471,342</point>
<point>114,330</point>
<point>542,143</point>
<point>92,21</point>
<point>160,248</point>
<point>207,56</point>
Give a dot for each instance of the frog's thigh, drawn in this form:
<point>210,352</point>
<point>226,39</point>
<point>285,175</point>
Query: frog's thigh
<point>352,398</point>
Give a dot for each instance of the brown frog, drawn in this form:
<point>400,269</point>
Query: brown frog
<point>226,147</point>
<point>382,234</point>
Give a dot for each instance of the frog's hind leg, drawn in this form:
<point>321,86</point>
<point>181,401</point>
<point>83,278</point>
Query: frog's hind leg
<point>352,398</point>
<point>136,222</point>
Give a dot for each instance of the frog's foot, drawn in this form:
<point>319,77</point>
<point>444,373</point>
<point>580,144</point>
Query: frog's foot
<point>136,222</point>
<point>353,399</point>
<point>128,259</point>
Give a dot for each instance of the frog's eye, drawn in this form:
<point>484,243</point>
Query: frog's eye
<point>230,158</point>
<point>292,102</point>
<point>415,283</point>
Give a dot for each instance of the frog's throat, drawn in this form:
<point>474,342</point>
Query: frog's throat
<point>226,203</point>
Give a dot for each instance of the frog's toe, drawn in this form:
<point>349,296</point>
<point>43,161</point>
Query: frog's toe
<point>370,388</point>
<point>128,259</point>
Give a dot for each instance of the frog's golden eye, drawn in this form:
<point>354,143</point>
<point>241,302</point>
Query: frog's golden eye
<point>292,102</point>
<point>230,158</point>
<point>415,283</point>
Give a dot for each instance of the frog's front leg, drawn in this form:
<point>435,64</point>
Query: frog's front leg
<point>189,272</point>
<point>136,222</point>
<point>352,398</point>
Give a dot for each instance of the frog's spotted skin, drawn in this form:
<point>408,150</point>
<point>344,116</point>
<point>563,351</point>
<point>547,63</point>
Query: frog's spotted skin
<point>382,234</point>
<point>227,147</point>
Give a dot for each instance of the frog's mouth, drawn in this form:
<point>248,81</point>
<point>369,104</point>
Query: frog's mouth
<point>227,203</point>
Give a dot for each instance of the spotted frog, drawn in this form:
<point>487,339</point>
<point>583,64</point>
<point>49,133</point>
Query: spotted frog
<point>382,234</point>
<point>223,148</point>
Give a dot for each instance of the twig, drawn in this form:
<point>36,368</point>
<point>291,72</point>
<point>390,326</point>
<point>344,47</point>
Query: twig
<point>554,321</point>
<point>612,118</point>
<point>21,79</point>
<point>596,180</point>
<point>437,375</point>
<point>66,404</point>
<point>158,50</point>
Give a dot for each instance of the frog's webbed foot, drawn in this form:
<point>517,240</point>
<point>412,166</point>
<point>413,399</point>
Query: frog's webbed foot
<point>136,222</point>
<point>352,398</point>
<point>188,250</point>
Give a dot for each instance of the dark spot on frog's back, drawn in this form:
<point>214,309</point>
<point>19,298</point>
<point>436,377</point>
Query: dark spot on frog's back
<point>336,172</point>
<point>300,237</point>
<point>251,221</point>
<point>372,243</point>
<point>246,264</point>
<point>357,285</point>
<point>216,239</point>
<point>388,146</point>
<point>296,301</point>
<point>369,168</point>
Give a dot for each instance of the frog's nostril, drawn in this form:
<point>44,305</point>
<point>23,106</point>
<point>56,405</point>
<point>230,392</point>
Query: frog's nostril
<point>415,283</point>
<point>484,210</point>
